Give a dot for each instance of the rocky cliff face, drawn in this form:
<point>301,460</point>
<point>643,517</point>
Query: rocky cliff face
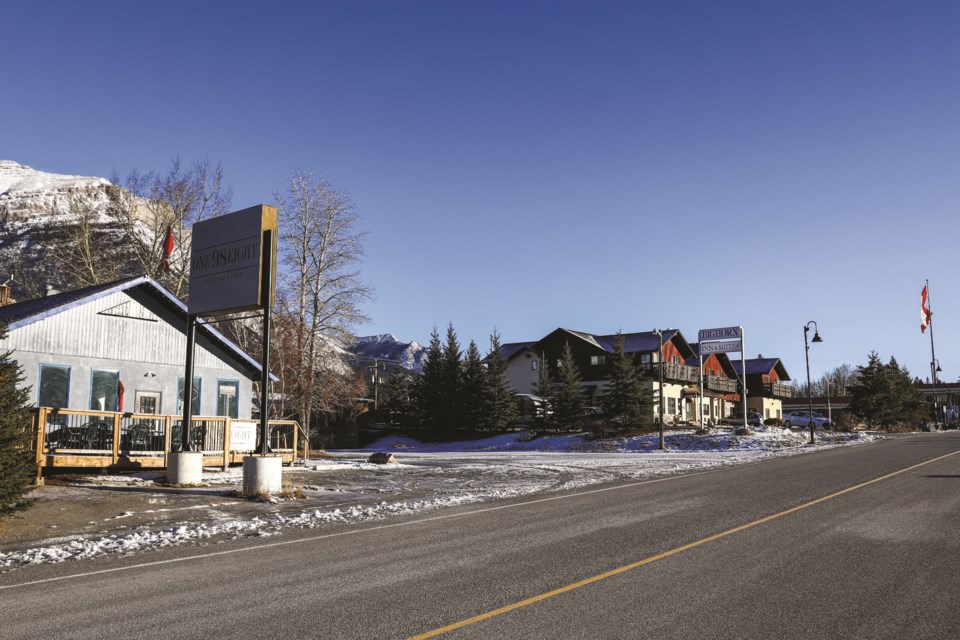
<point>27,194</point>
<point>39,216</point>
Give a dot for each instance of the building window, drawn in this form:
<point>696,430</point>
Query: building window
<point>535,364</point>
<point>103,390</point>
<point>767,414</point>
<point>645,359</point>
<point>671,405</point>
<point>778,414</point>
<point>598,360</point>
<point>54,386</point>
<point>228,393</point>
<point>196,396</point>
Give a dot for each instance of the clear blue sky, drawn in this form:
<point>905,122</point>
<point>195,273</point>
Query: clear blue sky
<point>528,165</point>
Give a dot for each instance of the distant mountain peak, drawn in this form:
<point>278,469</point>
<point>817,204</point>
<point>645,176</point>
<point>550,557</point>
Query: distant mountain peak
<point>386,346</point>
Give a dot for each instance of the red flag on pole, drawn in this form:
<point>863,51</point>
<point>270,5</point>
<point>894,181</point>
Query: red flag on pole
<point>925,315</point>
<point>167,250</point>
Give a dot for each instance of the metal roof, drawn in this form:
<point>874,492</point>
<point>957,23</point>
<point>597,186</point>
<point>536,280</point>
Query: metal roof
<point>27,312</point>
<point>761,366</point>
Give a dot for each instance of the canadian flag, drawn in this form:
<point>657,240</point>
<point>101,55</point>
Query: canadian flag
<point>925,315</point>
<point>168,250</point>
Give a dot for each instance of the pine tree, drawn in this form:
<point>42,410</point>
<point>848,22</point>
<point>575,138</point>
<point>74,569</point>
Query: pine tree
<point>569,406</point>
<point>627,403</point>
<point>399,401</point>
<point>499,404</point>
<point>473,378</point>
<point>544,390</point>
<point>885,396</point>
<point>430,384</point>
<point>451,382</point>
<point>16,458</point>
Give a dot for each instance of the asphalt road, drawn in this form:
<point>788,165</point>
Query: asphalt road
<point>821,545</point>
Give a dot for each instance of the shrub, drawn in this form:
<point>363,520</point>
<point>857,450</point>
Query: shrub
<point>16,456</point>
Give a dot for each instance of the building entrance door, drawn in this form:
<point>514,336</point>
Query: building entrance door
<point>147,402</point>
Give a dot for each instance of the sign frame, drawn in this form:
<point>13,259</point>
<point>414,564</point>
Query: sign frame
<point>227,258</point>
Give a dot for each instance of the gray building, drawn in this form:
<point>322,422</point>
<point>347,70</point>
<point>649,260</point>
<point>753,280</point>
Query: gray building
<point>120,346</point>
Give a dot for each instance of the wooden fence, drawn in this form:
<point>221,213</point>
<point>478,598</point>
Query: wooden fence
<point>74,438</point>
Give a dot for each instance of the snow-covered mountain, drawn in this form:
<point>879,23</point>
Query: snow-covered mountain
<point>410,355</point>
<point>37,209</point>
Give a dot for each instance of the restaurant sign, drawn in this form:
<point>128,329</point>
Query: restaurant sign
<point>226,260</point>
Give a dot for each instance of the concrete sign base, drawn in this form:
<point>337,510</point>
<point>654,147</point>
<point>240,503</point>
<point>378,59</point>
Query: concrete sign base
<point>262,475</point>
<point>185,467</point>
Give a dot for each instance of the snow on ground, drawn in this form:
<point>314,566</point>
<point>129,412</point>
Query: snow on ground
<point>348,489</point>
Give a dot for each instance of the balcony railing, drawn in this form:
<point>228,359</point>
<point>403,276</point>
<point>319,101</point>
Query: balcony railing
<point>683,372</point>
<point>778,390</point>
<point>720,384</point>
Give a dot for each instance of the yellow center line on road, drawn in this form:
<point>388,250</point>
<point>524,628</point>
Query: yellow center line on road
<point>666,554</point>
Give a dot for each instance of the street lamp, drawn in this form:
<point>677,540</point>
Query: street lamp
<point>935,369</point>
<point>659,333</point>
<point>806,346</point>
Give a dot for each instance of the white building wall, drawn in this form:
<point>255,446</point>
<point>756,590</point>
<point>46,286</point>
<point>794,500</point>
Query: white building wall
<point>521,374</point>
<point>118,333</point>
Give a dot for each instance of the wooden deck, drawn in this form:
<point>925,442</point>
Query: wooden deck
<point>69,438</point>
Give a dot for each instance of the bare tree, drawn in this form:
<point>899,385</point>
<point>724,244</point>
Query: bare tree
<point>320,247</point>
<point>176,200</point>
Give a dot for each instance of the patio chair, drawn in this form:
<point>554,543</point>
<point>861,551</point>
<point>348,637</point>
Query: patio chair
<point>96,435</point>
<point>139,436</point>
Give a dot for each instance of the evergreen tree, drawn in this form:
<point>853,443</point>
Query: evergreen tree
<point>569,406</point>
<point>430,385</point>
<point>451,382</point>
<point>499,403</point>
<point>473,378</point>
<point>885,396</point>
<point>16,457</point>
<point>544,390</point>
<point>627,403</point>
<point>399,399</point>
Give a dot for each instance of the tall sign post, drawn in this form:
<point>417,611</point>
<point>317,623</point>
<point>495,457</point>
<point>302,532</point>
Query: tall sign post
<point>232,268</point>
<point>726,340</point>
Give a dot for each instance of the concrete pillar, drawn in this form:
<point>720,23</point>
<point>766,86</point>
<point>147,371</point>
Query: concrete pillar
<point>185,467</point>
<point>262,474</point>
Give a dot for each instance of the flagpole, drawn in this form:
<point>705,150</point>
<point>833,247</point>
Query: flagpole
<point>933,360</point>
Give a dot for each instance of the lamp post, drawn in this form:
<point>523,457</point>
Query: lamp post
<point>659,333</point>
<point>806,346</point>
<point>935,369</point>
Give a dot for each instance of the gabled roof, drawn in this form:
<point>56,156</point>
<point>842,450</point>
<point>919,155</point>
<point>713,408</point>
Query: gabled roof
<point>762,366</point>
<point>641,342</point>
<point>511,349</point>
<point>27,312</point>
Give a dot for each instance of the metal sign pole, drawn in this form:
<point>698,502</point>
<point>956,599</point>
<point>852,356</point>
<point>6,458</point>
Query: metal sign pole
<point>266,281</point>
<point>700,408</point>
<point>743,374</point>
<point>185,426</point>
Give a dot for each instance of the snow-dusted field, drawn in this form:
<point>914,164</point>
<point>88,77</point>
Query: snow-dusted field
<point>346,488</point>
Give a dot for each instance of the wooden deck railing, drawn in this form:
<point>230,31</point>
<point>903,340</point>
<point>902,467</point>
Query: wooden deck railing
<point>75,438</point>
